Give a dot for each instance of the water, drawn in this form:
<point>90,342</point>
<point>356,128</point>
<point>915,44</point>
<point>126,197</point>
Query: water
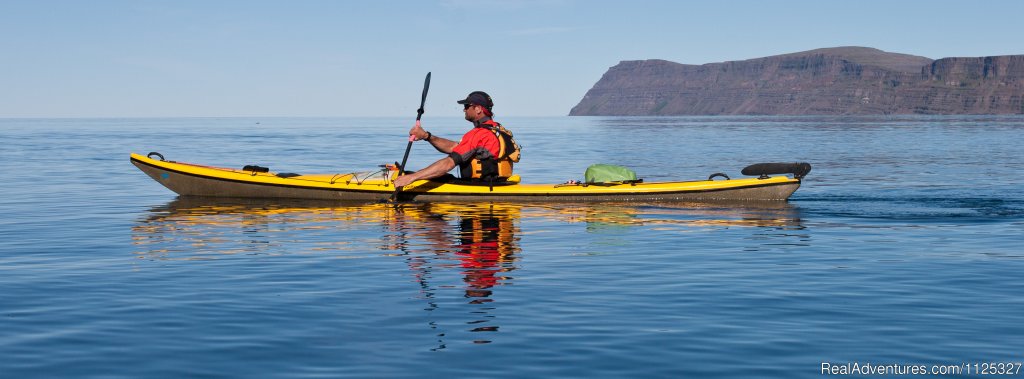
<point>902,247</point>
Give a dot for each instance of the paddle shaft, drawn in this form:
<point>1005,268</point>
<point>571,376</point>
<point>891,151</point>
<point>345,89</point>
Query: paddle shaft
<point>408,147</point>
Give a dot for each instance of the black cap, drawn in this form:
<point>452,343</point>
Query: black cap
<point>478,98</point>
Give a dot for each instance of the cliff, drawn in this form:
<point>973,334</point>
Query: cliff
<point>843,80</point>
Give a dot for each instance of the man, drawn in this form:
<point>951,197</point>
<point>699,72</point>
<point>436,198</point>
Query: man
<point>481,144</point>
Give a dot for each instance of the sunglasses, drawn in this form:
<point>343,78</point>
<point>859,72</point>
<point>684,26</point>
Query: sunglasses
<point>466,106</point>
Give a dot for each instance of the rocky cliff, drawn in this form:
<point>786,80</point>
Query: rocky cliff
<point>843,80</point>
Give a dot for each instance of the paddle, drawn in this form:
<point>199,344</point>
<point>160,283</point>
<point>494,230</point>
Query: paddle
<point>419,114</point>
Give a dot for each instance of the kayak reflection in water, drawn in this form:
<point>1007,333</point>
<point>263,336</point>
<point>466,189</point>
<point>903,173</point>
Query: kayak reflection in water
<point>460,254</point>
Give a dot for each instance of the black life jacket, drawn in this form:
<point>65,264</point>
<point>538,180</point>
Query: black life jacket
<point>494,168</point>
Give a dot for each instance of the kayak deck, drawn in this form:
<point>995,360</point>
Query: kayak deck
<point>197,180</point>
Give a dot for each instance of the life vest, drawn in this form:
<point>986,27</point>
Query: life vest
<point>499,167</point>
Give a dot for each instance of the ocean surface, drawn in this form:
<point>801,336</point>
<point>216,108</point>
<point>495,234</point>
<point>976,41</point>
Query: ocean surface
<point>905,246</point>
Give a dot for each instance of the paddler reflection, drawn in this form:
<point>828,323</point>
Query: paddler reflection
<point>477,240</point>
<point>486,244</point>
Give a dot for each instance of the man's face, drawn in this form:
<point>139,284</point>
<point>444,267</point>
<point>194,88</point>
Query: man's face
<point>473,112</point>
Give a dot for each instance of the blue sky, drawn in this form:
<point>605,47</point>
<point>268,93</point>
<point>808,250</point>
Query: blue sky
<point>139,58</point>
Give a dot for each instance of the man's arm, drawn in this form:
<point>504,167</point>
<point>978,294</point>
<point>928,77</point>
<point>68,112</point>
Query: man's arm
<point>441,167</point>
<point>443,145</point>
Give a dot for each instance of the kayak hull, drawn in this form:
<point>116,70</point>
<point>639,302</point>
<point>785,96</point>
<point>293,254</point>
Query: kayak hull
<point>196,180</point>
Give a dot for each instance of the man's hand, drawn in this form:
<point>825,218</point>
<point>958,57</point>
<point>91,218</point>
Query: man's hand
<point>403,180</point>
<point>418,133</point>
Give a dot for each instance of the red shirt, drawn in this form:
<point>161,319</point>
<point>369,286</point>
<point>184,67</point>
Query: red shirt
<point>480,142</point>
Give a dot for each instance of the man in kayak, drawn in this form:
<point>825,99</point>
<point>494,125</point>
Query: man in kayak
<point>484,153</point>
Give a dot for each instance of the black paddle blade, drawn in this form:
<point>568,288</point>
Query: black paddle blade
<point>423,100</point>
<point>799,170</point>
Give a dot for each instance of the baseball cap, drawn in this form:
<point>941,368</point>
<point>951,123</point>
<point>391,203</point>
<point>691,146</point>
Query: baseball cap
<point>478,98</point>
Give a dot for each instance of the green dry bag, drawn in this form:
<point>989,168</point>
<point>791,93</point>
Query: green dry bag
<point>606,173</point>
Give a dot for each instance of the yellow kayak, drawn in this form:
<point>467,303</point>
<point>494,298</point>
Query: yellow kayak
<point>189,179</point>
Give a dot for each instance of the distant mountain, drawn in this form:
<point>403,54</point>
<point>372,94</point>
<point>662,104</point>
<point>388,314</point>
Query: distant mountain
<point>830,81</point>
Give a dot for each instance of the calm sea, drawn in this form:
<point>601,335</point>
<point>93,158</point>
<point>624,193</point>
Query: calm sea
<point>904,247</point>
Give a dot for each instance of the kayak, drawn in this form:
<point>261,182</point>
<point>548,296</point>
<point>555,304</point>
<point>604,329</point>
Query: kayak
<point>188,179</point>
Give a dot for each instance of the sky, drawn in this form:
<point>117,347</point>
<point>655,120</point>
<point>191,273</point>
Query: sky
<point>309,58</point>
